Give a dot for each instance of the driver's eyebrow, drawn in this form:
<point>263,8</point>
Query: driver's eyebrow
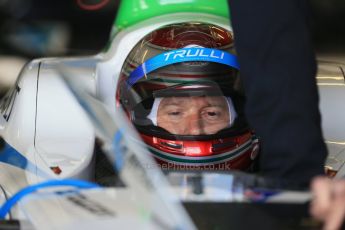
<point>216,105</point>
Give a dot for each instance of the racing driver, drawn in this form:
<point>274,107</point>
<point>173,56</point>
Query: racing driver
<point>180,87</point>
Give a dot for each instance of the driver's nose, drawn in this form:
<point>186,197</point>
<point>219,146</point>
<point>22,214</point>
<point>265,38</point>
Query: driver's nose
<point>194,126</point>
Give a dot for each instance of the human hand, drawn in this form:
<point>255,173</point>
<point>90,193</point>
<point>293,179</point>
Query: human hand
<point>328,204</point>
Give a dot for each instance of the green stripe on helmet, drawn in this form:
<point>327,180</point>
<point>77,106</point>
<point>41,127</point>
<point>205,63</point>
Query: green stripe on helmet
<point>133,11</point>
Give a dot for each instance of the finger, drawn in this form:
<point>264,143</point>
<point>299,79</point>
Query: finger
<point>321,203</point>
<point>336,213</point>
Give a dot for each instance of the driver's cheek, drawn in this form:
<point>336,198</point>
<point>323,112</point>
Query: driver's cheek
<point>212,128</point>
<point>174,126</point>
<point>179,127</point>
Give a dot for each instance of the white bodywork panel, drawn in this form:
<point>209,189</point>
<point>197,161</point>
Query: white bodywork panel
<point>46,125</point>
<point>64,135</point>
<point>92,209</point>
<point>19,109</point>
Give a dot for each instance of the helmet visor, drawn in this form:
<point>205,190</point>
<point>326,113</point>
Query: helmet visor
<point>193,115</point>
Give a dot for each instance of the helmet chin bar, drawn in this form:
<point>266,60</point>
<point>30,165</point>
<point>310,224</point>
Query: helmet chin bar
<point>219,154</point>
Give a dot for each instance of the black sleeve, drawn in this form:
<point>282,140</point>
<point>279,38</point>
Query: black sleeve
<point>278,71</point>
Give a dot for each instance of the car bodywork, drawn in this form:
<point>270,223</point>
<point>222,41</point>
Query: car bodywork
<point>48,135</point>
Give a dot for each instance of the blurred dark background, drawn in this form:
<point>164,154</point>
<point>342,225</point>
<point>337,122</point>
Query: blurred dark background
<point>35,28</point>
<point>54,27</point>
<point>328,25</point>
<point>39,28</point>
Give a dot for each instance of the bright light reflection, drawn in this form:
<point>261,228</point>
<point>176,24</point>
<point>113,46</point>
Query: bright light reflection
<point>335,142</point>
<point>331,78</point>
<point>331,84</point>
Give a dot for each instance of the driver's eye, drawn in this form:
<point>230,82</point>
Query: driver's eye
<point>211,115</point>
<point>174,113</point>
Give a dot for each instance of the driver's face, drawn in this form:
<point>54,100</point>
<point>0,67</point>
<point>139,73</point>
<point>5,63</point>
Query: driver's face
<point>193,115</point>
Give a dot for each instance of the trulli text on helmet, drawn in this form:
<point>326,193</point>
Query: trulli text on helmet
<point>194,52</point>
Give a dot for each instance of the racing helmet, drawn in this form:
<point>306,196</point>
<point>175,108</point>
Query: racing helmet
<point>180,88</point>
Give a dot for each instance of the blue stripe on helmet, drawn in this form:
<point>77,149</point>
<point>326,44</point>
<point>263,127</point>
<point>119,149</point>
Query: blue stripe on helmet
<point>182,55</point>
